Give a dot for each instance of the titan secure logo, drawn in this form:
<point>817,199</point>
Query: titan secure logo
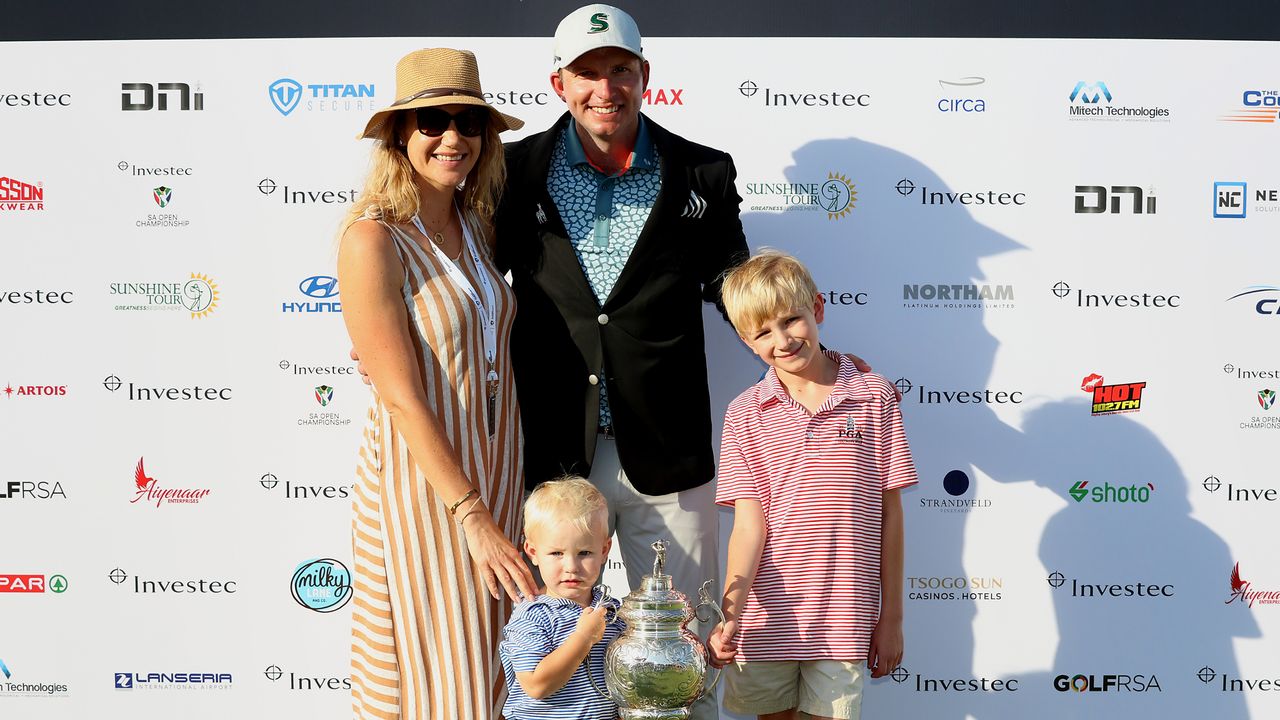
<point>156,97</point>
<point>1092,199</point>
<point>285,94</point>
<point>1090,93</point>
<point>599,23</point>
<point>1229,199</point>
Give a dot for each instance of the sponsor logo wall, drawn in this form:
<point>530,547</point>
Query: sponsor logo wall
<point>1067,268</point>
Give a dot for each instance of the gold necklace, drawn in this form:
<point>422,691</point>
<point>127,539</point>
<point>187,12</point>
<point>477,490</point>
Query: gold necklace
<point>438,237</point>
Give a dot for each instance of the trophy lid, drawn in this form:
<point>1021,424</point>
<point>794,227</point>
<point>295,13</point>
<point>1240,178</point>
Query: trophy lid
<point>657,592</point>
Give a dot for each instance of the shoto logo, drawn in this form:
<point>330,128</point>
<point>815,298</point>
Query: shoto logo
<point>1062,291</point>
<point>20,196</point>
<point>836,196</point>
<point>822,99</point>
<point>1093,101</point>
<point>1257,106</point>
<point>1107,683</point>
<point>956,483</point>
<point>1242,591</point>
<point>197,295</point>
<point>148,488</point>
<point>34,390</point>
<point>267,186</point>
<point>1113,399</point>
<point>308,682</point>
<point>964,104</point>
<point>31,490</point>
<point>319,288</point>
<point>1229,684</point>
<point>1240,494</point>
<point>146,96</point>
<point>286,95</point>
<point>9,583</point>
<point>1229,199</point>
<point>1103,590</point>
<point>955,684</point>
<point>906,188</point>
<point>1092,200</point>
<point>322,585</point>
<point>1267,303</point>
<point>1109,493</point>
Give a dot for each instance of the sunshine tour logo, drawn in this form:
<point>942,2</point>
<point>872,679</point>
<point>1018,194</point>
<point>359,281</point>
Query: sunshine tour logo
<point>173,681</point>
<point>965,296</point>
<point>174,586</point>
<point>1242,591</point>
<point>308,682</point>
<point>789,98</point>
<point>954,684</point>
<point>955,588</point>
<point>146,393</point>
<point>1108,493</point>
<point>1229,684</point>
<point>10,583</point>
<point>320,289</point>
<point>956,484</point>
<point>31,490</point>
<point>1240,494</point>
<point>286,95</point>
<point>1113,399</point>
<point>836,196</point>
<point>1107,683</point>
<point>198,295</point>
<point>294,196</point>
<point>1102,590</point>
<point>295,491</point>
<point>23,391</point>
<point>322,585</point>
<point>1083,299</point>
<point>20,196</point>
<point>149,488</point>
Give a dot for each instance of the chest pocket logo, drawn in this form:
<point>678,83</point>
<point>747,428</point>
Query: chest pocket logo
<point>695,207</point>
<point>850,431</point>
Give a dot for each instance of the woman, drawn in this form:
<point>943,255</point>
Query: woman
<point>436,506</point>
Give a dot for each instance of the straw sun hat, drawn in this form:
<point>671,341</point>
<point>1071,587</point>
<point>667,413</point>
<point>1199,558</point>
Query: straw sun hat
<point>438,76</point>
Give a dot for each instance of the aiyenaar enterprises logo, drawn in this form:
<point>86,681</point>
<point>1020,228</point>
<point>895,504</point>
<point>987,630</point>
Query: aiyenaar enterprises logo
<point>1242,591</point>
<point>322,585</point>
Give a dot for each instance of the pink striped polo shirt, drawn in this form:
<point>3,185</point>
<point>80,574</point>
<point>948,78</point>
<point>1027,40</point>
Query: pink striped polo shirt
<point>821,479</point>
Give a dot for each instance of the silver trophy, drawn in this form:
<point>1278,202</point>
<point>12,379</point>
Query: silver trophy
<point>657,668</point>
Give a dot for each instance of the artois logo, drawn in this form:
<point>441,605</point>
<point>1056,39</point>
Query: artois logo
<point>1266,398</point>
<point>324,394</point>
<point>162,195</point>
<point>1242,590</point>
<point>599,23</point>
<point>1113,399</point>
<point>149,488</point>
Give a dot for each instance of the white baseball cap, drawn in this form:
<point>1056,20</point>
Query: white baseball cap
<point>595,26</point>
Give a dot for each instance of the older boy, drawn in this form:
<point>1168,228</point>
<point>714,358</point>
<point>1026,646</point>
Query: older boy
<point>549,637</point>
<point>812,460</point>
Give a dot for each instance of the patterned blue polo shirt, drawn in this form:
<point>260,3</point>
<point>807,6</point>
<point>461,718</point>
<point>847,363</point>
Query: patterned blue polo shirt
<point>536,628</point>
<point>603,214</point>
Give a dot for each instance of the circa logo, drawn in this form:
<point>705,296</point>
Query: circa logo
<point>322,585</point>
<point>1112,399</point>
<point>962,105</point>
<point>317,287</point>
<point>906,188</point>
<point>836,196</point>
<point>1242,591</point>
<point>1099,590</point>
<point>174,586</point>
<point>1093,101</point>
<point>1257,106</point>
<point>1107,683</point>
<point>31,490</point>
<point>156,96</point>
<point>267,186</point>
<point>1092,200</point>
<point>1062,290</point>
<point>957,296</point>
<point>21,196</point>
<point>164,392</point>
<point>198,295</point>
<point>149,488</point>
<point>787,98</point>
<point>954,684</point>
<point>286,95</point>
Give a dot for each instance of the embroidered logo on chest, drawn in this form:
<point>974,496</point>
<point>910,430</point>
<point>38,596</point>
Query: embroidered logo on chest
<point>850,431</point>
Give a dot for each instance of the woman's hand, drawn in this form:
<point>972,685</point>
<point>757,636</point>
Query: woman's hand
<point>722,644</point>
<point>497,559</point>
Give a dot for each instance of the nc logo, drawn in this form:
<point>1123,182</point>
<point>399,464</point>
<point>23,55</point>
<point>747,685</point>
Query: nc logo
<point>285,94</point>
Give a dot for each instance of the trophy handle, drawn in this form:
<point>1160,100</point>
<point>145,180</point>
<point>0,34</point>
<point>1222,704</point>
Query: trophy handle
<point>704,598</point>
<point>610,615</point>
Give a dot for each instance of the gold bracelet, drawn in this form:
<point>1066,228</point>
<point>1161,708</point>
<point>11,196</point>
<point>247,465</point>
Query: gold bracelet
<point>470,511</point>
<point>453,509</point>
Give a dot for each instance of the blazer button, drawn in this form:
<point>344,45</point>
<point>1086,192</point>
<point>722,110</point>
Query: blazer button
<point>593,379</point>
<point>602,319</point>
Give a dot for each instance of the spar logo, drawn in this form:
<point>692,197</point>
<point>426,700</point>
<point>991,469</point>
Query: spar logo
<point>1107,683</point>
<point>26,583</point>
<point>149,488</point>
<point>1242,591</point>
<point>1108,493</point>
<point>322,585</point>
<point>1113,399</point>
<point>21,196</point>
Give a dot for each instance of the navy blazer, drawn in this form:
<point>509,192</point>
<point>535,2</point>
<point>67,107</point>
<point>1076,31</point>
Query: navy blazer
<point>647,335</point>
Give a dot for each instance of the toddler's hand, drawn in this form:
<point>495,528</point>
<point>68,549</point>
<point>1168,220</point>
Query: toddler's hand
<point>591,623</point>
<point>722,645</point>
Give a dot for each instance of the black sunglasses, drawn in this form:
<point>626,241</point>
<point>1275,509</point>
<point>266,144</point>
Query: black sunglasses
<point>433,122</point>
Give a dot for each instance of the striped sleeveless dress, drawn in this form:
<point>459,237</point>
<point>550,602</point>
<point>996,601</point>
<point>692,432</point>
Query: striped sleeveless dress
<point>425,630</point>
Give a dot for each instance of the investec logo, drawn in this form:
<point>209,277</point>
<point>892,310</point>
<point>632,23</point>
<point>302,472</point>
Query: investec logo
<point>954,684</point>
<point>1138,589</point>
<point>148,392</point>
<point>288,94</point>
<point>306,683</point>
<point>789,97</point>
<point>907,188</point>
<point>1063,291</point>
<point>1235,493</point>
<point>20,196</point>
<point>1229,684</point>
<point>1094,101</point>
<point>322,291</point>
<point>960,296</point>
<point>296,196</point>
<point>295,491</point>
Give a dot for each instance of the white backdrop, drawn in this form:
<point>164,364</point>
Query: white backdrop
<point>252,201</point>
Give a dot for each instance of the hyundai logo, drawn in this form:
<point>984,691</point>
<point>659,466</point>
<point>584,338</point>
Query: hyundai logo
<point>319,286</point>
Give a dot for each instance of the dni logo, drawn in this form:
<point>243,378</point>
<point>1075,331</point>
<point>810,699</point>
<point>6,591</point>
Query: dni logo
<point>156,97</point>
<point>1092,199</point>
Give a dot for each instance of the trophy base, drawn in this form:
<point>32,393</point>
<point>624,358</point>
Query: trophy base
<point>654,714</point>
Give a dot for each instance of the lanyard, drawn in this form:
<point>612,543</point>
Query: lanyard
<point>488,310</point>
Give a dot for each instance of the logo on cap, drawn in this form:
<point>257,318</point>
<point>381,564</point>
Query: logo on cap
<point>599,23</point>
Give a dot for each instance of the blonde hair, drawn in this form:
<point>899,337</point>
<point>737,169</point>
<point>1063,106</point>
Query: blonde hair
<point>570,499</point>
<point>771,282</point>
<point>391,188</point>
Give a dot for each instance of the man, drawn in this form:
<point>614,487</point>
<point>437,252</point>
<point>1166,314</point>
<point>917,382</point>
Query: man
<point>615,232</point>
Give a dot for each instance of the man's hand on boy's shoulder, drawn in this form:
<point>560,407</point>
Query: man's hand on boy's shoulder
<point>722,646</point>
<point>863,367</point>
<point>885,653</point>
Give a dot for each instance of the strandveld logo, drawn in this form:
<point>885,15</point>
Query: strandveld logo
<point>322,585</point>
<point>162,195</point>
<point>837,196</point>
<point>1257,106</point>
<point>286,95</point>
<point>1113,399</point>
<point>198,295</point>
<point>1093,101</point>
<point>599,23</point>
<point>1108,493</point>
<point>147,487</point>
<point>957,484</point>
<point>1242,591</point>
